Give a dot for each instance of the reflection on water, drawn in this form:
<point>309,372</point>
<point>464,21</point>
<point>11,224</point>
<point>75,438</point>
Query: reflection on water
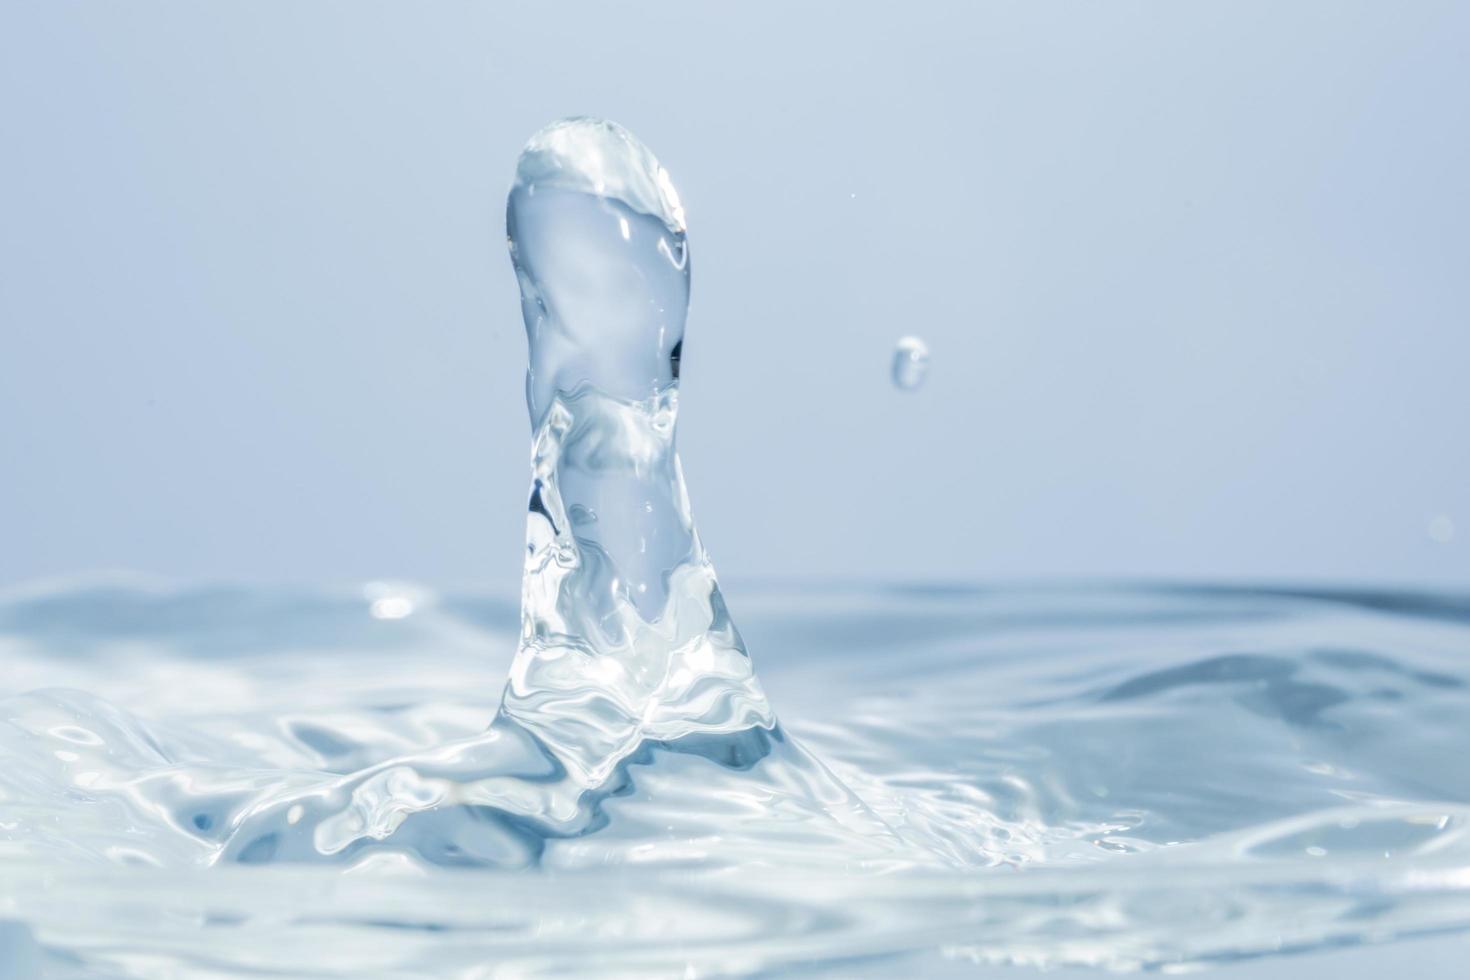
<point>1097,776</point>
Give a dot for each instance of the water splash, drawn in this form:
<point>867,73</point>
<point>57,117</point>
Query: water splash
<point>626,646</point>
<point>624,634</point>
<point>910,363</point>
<point>1124,778</point>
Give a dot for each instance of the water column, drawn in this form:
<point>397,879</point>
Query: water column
<point>625,637</point>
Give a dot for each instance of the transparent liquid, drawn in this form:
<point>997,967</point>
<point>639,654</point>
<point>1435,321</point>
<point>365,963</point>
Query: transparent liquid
<point>313,784</point>
<point>1095,776</point>
<point>910,363</point>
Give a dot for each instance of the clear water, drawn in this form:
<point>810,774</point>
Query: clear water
<point>1115,777</point>
<point>205,782</point>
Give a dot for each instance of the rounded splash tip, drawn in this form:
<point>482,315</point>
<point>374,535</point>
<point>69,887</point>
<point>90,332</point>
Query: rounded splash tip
<point>597,156</point>
<point>596,234</point>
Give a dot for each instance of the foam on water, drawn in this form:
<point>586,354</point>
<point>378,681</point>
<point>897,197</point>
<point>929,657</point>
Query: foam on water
<point>229,781</point>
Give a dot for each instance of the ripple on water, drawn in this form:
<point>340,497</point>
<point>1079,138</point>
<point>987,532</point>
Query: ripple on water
<point>1100,776</point>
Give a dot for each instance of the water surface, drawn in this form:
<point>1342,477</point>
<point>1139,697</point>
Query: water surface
<point>1121,777</point>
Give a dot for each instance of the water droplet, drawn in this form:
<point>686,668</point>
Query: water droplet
<point>1441,529</point>
<point>910,363</point>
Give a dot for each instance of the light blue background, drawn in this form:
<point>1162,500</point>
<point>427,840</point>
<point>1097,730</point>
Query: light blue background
<point>1195,277</point>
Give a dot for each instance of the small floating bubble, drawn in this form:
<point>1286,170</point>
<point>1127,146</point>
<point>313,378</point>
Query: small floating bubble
<point>910,363</point>
<point>1441,529</point>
